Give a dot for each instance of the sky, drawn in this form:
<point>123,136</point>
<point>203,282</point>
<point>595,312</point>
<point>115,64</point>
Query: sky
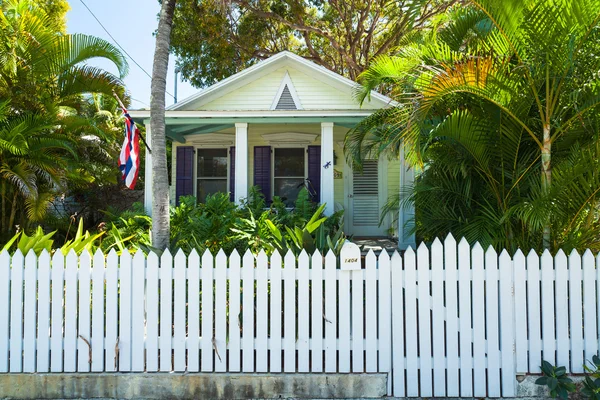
<point>131,23</point>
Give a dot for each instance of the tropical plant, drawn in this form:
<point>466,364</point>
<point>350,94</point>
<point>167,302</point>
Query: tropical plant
<point>44,80</point>
<point>160,177</point>
<point>556,380</point>
<point>498,110</point>
<point>591,383</point>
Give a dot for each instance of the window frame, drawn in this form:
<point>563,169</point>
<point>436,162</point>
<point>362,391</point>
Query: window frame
<point>287,146</point>
<point>210,147</point>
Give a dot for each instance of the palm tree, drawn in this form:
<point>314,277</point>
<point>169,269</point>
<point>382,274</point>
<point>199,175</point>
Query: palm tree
<point>160,180</point>
<point>511,86</point>
<point>44,80</point>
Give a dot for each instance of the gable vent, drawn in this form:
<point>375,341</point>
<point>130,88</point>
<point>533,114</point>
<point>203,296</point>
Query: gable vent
<point>286,101</point>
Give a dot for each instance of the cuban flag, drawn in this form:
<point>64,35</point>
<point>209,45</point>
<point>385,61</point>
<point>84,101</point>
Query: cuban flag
<point>129,160</point>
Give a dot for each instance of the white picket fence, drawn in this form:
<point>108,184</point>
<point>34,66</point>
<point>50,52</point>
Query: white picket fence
<point>445,321</point>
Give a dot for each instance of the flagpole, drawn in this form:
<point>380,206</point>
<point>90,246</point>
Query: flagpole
<point>123,108</point>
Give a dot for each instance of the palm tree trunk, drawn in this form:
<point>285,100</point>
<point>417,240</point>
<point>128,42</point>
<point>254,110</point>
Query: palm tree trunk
<point>546,179</point>
<point>160,181</point>
<point>3,216</point>
<point>13,212</point>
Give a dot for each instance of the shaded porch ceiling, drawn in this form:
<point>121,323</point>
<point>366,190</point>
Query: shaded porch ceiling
<point>178,129</point>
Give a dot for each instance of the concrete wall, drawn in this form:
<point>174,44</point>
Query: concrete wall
<point>191,386</point>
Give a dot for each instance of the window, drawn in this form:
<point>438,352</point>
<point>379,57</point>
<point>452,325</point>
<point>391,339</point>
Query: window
<point>289,173</point>
<point>211,173</point>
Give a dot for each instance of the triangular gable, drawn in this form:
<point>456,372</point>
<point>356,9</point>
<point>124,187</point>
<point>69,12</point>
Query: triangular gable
<point>261,86</point>
<point>286,97</point>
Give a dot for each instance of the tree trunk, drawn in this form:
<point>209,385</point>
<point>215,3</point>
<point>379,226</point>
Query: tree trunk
<point>13,212</point>
<point>160,181</point>
<point>3,216</point>
<point>546,180</point>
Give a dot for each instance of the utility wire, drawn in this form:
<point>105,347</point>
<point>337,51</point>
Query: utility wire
<point>121,47</point>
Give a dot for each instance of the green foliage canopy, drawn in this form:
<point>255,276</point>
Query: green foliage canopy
<point>214,39</point>
<point>498,108</point>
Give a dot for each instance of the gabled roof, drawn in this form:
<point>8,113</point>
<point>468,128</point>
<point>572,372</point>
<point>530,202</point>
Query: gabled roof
<point>263,68</point>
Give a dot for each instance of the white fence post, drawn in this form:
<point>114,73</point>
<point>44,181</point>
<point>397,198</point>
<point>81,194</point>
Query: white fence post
<point>507,307</point>
<point>58,291</point>
<point>397,313</point>
<point>43,317</point>
<point>4,311</point>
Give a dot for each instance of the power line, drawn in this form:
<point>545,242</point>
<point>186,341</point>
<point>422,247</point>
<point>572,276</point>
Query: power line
<point>117,43</point>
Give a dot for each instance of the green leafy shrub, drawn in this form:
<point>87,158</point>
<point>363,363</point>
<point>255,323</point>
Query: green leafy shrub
<point>556,380</point>
<point>216,224</point>
<point>591,383</point>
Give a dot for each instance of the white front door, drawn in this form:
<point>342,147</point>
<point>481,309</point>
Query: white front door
<point>366,196</point>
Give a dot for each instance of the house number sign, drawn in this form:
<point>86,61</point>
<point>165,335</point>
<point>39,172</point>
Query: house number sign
<point>350,256</point>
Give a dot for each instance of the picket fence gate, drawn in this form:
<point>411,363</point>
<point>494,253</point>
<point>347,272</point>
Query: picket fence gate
<point>442,321</point>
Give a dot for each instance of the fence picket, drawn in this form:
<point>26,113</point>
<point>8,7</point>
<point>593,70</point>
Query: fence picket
<point>491,322</point>
<point>330,317</point>
<point>358,317</point>
<point>424,317</point>
<point>112,319</point>
<point>58,291</point>
<point>97,339</point>
<point>234,312</point>
<point>547,303</point>
<point>562,310</point>
<point>152,309</point>
<point>437,320</point>
<point>344,322</point>
<point>479,345</point>
<point>410,291</point>
<point>221,311</point>
<point>395,331</point>
<point>248,312</point>
<point>166,313</point>
<point>43,317</point>
<point>590,333</point>
<point>451,316</point>
<point>70,344</point>
<point>84,325</point>
<point>125,261</point>
<point>179,312</point>
<point>464,309</point>
<point>520,302</point>
<point>4,311</point>
<point>289,313</point>
<point>575,313</point>
<point>138,272</point>
<point>262,313</point>
<point>193,346</point>
<point>303,312</point>
<point>29,312</point>
<point>506,325</point>
<point>317,312</point>
<point>533,312</point>
<point>206,345</point>
<point>275,320</point>
<point>371,316</point>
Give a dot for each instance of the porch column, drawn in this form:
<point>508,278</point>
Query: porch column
<point>148,174</point>
<point>327,193</point>
<point>407,176</point>
<point>241,161</point>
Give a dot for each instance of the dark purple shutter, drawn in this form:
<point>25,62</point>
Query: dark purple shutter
<point>314,172</point>
<point>232,173</point>
<point>184,184</point>
<point>262,170</point>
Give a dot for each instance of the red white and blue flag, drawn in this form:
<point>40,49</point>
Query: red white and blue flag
<point>129,160</point>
